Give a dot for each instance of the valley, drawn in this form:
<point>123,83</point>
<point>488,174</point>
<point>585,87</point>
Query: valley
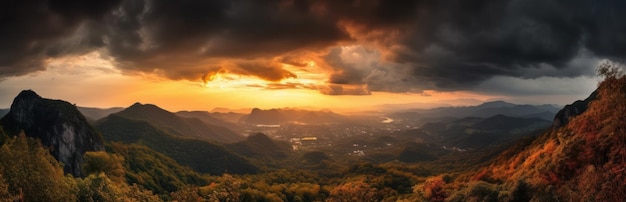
<point>154,146</point>
<point>451,153</point>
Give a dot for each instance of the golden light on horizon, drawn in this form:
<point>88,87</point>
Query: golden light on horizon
<point>93,81</point>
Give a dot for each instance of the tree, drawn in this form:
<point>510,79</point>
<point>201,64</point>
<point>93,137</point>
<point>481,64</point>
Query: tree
<point>433,189</point>
<point>101,162</point>
<point>4,189</point>
<point>32,173</point>
<point>98,187</point>
<point>357,190</point>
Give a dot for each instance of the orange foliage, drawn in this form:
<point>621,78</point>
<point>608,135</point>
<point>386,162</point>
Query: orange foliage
<point>550,178</point>
<point>433,189</point>
<point>482,175</point>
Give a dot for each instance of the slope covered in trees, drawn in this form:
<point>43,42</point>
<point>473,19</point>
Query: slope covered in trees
<point>583,160</point>
<point>202,156</point>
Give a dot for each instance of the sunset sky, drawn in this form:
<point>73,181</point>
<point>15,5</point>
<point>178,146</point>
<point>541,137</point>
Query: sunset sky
<point>337,54</point>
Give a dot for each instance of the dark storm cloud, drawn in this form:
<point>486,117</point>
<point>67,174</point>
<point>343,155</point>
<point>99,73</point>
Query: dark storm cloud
<point>357,65</point>
<point>181,39</point>
<point>457,44</point>
<point>33,30</point>
<point>421,44</point>
<point>191,35</point>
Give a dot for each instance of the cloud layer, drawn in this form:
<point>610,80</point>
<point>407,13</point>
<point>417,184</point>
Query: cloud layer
<point>364,45</point>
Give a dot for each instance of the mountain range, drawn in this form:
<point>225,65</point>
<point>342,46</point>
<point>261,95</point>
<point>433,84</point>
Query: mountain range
<point>286,115</point>
<point>474,132</point>
<point>202,156</point>
<point>496,151</point>
<point>215,119</point>
<point>179,126</point>
<point>92,114</point>
<point>485,110</point>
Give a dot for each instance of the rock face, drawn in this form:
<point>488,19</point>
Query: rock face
<point>59,125</point>
<point>569,111</point>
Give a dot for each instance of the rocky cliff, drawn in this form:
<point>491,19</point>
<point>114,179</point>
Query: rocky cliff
<point>59,125</point>
<point>569,111</point>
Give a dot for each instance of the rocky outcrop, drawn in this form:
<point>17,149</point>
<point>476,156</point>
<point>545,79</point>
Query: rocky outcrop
<point>59,125</point>
<point>569,111</point>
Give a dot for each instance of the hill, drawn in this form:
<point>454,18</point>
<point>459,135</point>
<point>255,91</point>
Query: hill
<point>179,126</point>
<point>93,114</point>
<point>200,155</point>
<point>260,146</point>
<point>154,171</point>
<point>581,159</point>
<point>59,126</point>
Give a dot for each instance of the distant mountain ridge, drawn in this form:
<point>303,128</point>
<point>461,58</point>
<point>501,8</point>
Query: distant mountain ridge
<point>484,110</point>
<point>93,114</point>
<point>58,124</point>
<point>177,125</point>
<point>209,119</point>
<point>278,116</point>
<point>475,132</point>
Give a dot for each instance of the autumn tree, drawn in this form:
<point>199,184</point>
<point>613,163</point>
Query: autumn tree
<point>357,190</point>
<point>432,189</point>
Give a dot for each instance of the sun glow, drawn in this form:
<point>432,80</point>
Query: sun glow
<point>308,77</point>
<point>231,81</point>
<point>91,80</point>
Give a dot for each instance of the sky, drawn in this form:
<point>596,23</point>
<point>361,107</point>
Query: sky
<point>334,54</point>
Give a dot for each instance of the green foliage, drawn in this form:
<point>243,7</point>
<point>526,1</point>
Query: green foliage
<point>102,162</point>
<point>152,170</point>
<point>32,173</point>
<point>29,173</point>
<point>187,193</point>
<point>262,147</point>
<point>200,155</point>
<point>315,157</point>
<point>98,187</point>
